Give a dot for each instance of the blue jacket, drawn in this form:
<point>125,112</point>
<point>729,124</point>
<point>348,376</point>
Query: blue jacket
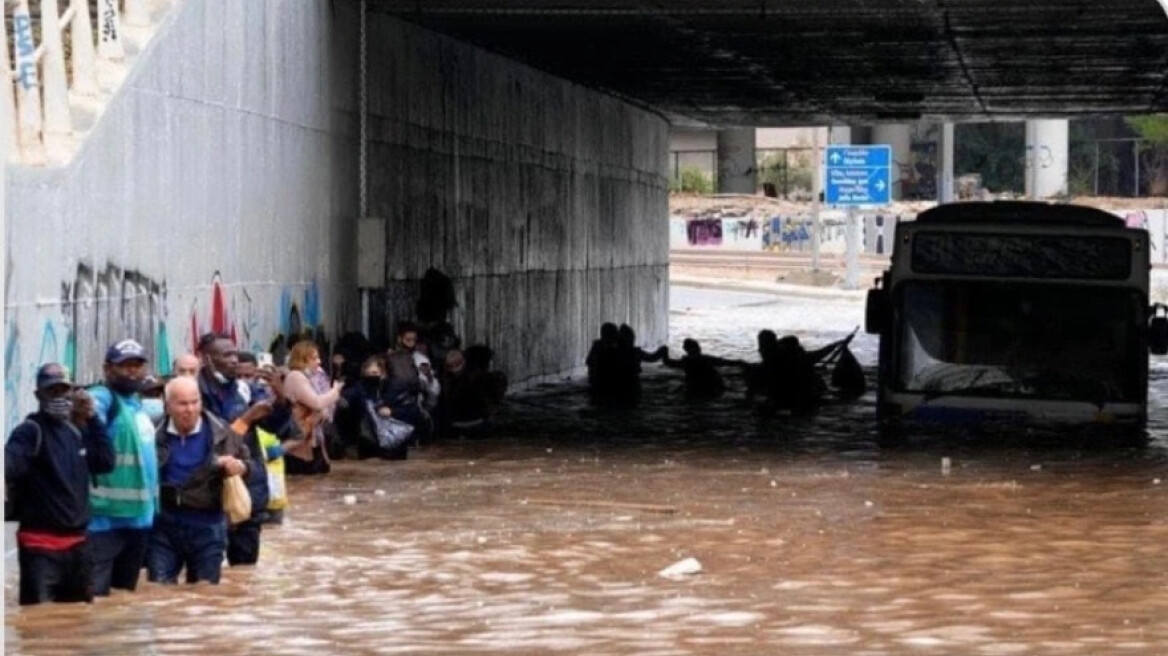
<point>226,401</point>
<point>52,486</point>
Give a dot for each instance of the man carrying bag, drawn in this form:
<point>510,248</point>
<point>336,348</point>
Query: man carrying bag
<point>196,453</point>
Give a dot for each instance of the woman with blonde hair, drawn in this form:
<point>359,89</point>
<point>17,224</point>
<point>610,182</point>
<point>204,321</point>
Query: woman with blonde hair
<point>309,409</point>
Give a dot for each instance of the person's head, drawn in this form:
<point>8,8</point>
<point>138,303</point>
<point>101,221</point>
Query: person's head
<point>373,367</point>
<point>625,335</point>
<point>608,332</point>
<point>790,344</point>
<point>184,404</point>
<point>125,367</point>
<point>766,338</point>
<point>407,335</point>
<point>304,356</point>
<point>455,362</point>
<point>219,357</point>
<point>54,391</point>
<point>152,388</point>
<point>246,367</point>
<point>152,404</point>
<point>691,347</point>
<point>186,365</point>
<point>422,362</point>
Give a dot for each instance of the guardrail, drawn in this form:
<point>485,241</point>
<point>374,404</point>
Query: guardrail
<point>45,78</point>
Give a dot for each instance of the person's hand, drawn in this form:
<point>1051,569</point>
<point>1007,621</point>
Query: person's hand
<point>232,466</point>
<point>83,407</point>
<point>338,386</point>
<point>385,411</point>
<point>257,412</point>
<point>274,381</point>
<point>663,351</point>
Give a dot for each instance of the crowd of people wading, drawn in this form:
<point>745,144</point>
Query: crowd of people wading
<point>176,474</point>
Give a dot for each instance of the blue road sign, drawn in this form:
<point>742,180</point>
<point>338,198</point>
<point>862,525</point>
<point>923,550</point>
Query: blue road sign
<point>858,175</point>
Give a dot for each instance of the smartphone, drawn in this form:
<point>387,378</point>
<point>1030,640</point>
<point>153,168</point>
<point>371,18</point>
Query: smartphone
<point>264,360</point>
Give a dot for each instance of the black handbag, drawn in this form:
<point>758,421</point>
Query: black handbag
<point>390,433</point>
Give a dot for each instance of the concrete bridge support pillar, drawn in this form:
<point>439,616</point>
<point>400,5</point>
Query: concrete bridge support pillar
<point>899,136</point>
<point>737,166</point>
<point>945,191</point>
<point>839,135</point>
<point>1046,158</point>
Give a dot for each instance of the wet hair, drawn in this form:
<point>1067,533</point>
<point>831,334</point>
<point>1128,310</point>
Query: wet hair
<point>301,354</point>
<point>246,357</point>
<point>373,361</point>
<point>608,332</point>
<point>691,346</point>
<point>207,340</point>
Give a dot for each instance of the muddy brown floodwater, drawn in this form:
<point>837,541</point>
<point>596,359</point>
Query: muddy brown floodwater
<point>549,536</point>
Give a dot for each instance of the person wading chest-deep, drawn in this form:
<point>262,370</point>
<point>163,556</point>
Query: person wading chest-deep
<point>48,460</point>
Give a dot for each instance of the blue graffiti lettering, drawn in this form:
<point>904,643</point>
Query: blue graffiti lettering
<point>22,26</point>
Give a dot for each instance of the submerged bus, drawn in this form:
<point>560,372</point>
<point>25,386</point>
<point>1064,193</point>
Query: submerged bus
<point>995,311</point>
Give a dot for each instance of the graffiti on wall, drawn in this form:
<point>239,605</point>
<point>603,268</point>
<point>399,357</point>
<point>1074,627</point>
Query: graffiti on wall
<point>215,319</point>
<point>780,234</point>
<point>102,305</point>
<point>299,320</point>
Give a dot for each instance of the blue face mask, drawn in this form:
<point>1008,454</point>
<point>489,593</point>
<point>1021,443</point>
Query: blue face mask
<point>154,409</point>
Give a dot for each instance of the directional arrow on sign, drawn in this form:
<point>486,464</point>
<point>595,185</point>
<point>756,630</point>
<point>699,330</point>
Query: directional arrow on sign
<point>880,185</point>
<point>835,157</point>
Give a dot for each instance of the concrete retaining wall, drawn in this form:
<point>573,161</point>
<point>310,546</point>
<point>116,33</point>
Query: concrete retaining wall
<point>218,191</point>
<point>544,201</point>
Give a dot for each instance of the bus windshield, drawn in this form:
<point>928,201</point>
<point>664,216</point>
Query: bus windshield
<point>1021,340</point>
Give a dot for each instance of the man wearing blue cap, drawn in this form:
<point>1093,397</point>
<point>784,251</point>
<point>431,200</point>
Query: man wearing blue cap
<point>124,500</point>
<point>47,463</point>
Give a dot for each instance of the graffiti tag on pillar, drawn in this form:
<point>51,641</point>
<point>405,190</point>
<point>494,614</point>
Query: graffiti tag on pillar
<point>109,21</point>
<point>1041,156</point>
<point>26,68</point>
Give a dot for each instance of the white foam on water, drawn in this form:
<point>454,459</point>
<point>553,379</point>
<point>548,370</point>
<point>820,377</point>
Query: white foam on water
<point>924,641</point>
<point>1005,648</point>
<point>505,577</point>
<point>567,617</point>
<point>793,585</point>
<point>732,618</point>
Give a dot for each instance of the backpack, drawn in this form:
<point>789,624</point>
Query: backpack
<point>11,489</point>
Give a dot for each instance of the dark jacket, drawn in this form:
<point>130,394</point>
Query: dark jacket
<point>225,401</point>
<point>203,489</point>
<point>52,486</point>
<point>280,424</point>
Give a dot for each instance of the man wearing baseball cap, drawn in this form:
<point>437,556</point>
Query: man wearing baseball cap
<point>124,500</point>
<point>47,463</point>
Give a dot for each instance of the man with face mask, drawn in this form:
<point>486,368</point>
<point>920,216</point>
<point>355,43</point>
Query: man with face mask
<point>223,394</point>
<point>47,463</point>
<point>123,501</point>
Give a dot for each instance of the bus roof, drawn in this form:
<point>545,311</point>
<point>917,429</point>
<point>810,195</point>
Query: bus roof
<point>1020,212</point>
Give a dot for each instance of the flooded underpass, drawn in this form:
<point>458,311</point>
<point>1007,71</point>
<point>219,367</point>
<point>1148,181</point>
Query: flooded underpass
<point>550,536</point>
